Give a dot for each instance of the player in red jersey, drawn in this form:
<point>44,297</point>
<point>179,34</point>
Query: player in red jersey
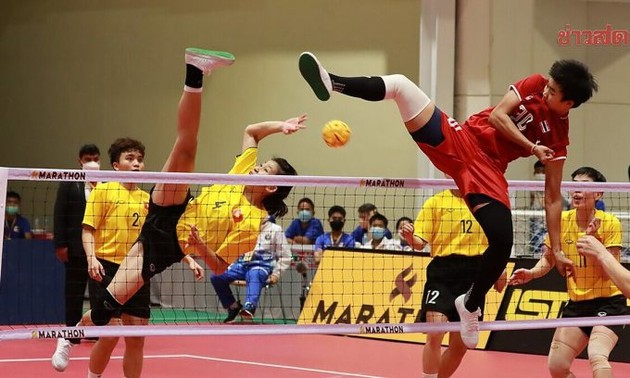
<point>531,119</point>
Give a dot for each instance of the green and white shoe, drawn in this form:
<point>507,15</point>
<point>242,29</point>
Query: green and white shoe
<point>208,60</point>
<point>315,75</point>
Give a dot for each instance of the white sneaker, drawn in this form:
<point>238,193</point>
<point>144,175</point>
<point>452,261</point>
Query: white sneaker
<point>207,60</point>
<point>469,323</point>
<point>61,357</point>
<point>315,75</point>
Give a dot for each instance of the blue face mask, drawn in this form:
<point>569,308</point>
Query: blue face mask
<point>378,233</point>
<point>305,215</point>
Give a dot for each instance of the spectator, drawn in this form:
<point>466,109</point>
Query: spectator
<point>377,238</point>
<point>591,291</point>
<point>537,227</point>
<point>15,225</point>
<point>68,215</point>
<point>265,264</point>
<point>336,237</point>
<point>306,228</point>
<point>400,223</point>
<point>366,211</point>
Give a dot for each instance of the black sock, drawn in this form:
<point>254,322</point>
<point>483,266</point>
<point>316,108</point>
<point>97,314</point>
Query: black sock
<point>496,221</point>
<point>194,76</point>
<point>368,88</point>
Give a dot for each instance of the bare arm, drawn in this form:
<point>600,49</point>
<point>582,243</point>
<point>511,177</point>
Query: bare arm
<point>589,246</point>
<point>553,213</point>
<point>95,269</point>
<point>256,132</point>
<point>542,267</point>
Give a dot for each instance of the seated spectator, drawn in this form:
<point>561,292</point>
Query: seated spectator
<point>376,234</point>
<point>400,223</point>
<point>305,229</point>
<point>366,211</point>
<point>335,238</point>
<point>270,257</point>
<point>15,225</point>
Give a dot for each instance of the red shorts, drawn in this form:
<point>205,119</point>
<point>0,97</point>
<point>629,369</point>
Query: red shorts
<point>460,156</point>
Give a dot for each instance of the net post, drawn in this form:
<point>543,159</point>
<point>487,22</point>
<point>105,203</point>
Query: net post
<point>4,178</point>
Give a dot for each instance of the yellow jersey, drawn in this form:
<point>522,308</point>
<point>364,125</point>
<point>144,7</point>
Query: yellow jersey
<point>588,280</point>
<point>117,215</point>
<point>446,223</point>
<point>227,222</point>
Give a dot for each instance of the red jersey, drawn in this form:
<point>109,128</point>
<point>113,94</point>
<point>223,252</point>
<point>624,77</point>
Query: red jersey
<point>533,119</point>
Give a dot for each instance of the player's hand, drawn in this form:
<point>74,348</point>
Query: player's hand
<point>520,277</point>
<point>406,232</point>
<point>564,265</point>
<point>194,239</point>
<point>590,246</point>
<point>197,269</point>
<point>293,125</point>
<point>501,282</point>
<point>593,227</point>
<point>95,269</point>
<point>273,279</point>
<point>543,153</point>
<point>62,254</point>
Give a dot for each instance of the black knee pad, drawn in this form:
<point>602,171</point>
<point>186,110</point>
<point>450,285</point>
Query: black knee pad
<point>106,306</point>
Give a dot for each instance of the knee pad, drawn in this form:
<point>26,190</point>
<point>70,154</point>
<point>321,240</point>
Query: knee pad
<point>561,357</point>
<point>106,306</point>
<point>410,99</point>
<point>600,344</point>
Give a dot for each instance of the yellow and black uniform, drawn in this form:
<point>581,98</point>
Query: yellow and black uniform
<point>591,292</point>
<point>457,243</point>
<point>226,221</point>
<point>117,215</point>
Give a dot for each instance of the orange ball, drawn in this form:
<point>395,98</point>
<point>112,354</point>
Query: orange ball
<point>336,133</point>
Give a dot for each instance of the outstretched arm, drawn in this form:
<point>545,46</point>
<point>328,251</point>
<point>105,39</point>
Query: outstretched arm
<point>542,267</point>
<point>256,132</point>
<point>553,214</point>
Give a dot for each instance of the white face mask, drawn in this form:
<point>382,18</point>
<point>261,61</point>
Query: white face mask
<point>91,166</point>
<point>539,177</point>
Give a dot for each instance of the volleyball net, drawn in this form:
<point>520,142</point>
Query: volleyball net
<point>351,290</point>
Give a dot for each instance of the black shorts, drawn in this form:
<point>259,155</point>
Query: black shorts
<point>609,306</point>
<point>159,238</point>
<point>139,305</point>
<point>448,278</point>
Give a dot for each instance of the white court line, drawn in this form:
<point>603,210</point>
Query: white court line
<point>339,373</point>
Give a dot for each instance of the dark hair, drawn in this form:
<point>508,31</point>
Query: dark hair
<point>577,83</point>
<point>336,209</point>
<point>402,219</point>
<point>539,164</point>
<point>366,208</point>
<point>89,149</point>
<point>122,145</point>
<point>307,200</point>
<point>381,217</point>
<point>592,173</point>
<point>274,203</point>
<point>12,194</point>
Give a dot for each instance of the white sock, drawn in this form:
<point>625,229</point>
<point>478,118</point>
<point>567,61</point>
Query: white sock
<point>426,375</point>
<point>192,90</point>
<point>94,375</point>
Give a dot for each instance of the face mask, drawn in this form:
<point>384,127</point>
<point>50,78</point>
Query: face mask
<point>336,225</point>
<point>12,210</point>
<point>91,166</point>
<point>377,233</point>
<point>305,215</point>
<point>539,177</point>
